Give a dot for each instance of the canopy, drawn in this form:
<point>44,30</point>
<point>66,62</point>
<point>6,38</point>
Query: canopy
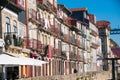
<point>31,61</point>
<point>8,60</point>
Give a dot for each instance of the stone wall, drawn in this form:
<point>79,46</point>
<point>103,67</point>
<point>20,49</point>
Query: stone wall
<point>104,75</point>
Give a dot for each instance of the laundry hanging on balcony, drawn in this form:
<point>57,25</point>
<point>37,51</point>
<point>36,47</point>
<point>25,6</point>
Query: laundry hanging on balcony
<point>47,24</point>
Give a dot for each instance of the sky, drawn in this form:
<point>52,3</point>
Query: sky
<point>103,10</point>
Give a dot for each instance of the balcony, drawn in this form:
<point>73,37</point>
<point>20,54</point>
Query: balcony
<point>86,48</point>
<point>99,54</point>
<point>56,31</point>
<point>73,40</point>
<point>86,60</point>
<point>57,52</point>
<point>77,42</point>
<point>72,56</point>
<point>63,55</point>
<point>35,17</point>
<point>94,45</point>
<point>67,38</point>
<point>45,4</point>
<point>81,57</point>
<point>81,46</point>
<point>93,33</point>
<point>89,49</point>
<point>88,37</point>
<point>11,38</point>
<point>84,35</point>
<point>78,57</point>
<point>12,5</point>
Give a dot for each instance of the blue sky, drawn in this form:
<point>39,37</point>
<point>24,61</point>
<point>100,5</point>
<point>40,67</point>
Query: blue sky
<point>103,10</point>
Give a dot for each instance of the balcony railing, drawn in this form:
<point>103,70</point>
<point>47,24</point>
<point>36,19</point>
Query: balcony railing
<point>63,55</point>
<point>36,17</point>
<point>57,52</point>
<point>36,44</point>
<point>72,56</point>
<point>11,38</point>
<point>67,37</point>
<point>88,37</point>
<point>73,40</point>
<point>94,45</point>
<point>78,57</point>
<point>48,5</point>
<point>93,33</point>
<point>14,5</point>
<point>77,42</point>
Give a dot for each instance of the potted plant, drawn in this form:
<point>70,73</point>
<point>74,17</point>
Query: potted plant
<point>7,41</point>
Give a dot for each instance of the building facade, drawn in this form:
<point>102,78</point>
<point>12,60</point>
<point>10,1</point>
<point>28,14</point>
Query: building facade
<point>104,32</point>
<point>68,39</point>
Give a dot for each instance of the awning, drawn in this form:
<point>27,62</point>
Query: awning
<point>6,60</point>
<point>35,55</point>
<point>31,61</point>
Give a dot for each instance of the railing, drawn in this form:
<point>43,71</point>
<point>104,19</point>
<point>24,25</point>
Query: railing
<point>11,38</point>
<point>89,37</point>
<point>94,45</point>
<point>73,41</point>
<point>63,55</point>
<point>77,42</point>
<point>48,5</point>
<point>36,17</point>
<point>92,32</point>
<point>78,57</point>
<point>17,3</point>
<point>34,44</point>
<point>67,37</point>
<point>57,52</point>
<point>72,56</point>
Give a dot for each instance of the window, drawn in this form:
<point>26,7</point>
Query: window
<point>8,27</point>
<point>45,37</point>
<point>15,26</point>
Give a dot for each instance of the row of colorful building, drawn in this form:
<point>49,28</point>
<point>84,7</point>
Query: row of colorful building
<point>71,40</point>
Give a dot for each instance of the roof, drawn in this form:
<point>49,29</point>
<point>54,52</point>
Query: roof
<point>78,9</point>
<point>116,51</point>
<point>70,18</point>
<point>103,24</point>
<point>64,8</point>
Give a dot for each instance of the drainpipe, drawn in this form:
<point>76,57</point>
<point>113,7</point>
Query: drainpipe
<point>27,31</point>
<point>27,28</point>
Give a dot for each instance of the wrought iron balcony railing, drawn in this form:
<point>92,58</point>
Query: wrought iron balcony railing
<point>12,38</point>
<point>92,32</point>
<point>47,5</point>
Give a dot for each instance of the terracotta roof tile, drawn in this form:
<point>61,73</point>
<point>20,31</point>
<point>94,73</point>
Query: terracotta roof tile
<point>78,9</point>
<point>70,18</point>
<point>103,24</point>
